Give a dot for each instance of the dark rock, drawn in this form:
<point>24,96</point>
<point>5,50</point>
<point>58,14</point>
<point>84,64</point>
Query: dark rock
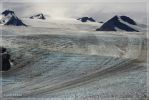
<point>2,49</point>
<point>4,60</point>
<point>9,18</point>
<point>6,12</point>
<point>85,19</point>
<point>128,20</point>
<point>101,22</point>
<point>114,22</point>
<point>38,16</point>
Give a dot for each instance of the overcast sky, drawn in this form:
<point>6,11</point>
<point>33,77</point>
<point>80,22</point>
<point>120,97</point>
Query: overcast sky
<point>98,9</point>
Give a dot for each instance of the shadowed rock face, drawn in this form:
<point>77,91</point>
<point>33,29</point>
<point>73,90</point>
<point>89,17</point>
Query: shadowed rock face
<point>116,22</point>
<point>38,16</point>
<point>101,22</point>
<point>86,19</point>
<point>6,12</point>
<point>9,18</point>
<point>128,20</point>
<point>2,49</point>
<point>4,59</point>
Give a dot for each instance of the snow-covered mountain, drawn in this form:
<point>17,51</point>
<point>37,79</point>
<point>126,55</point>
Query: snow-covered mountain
<point>38,16</point>
<point>119,23</point>
<point>62,23</point>
<point>86,19</point>
<point>9,18</point>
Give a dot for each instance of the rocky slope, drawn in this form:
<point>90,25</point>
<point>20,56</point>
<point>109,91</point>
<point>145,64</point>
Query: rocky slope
<point>9,18</point>
<point>38,16</point>
<point>119,23</point>
<point>86,19</point>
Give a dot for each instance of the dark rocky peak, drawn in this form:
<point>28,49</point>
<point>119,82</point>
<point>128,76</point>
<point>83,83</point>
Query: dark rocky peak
<point>118,22</point>
<point>6,12</point>
<point>86,19</point>
<point>38,16</point>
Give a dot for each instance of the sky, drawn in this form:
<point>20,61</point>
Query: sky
<point>100,10</point>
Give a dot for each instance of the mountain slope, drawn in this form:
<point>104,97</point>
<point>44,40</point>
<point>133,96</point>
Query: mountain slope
<point>9,18</point>
<point>38,16</point>
<point>119,23</point>
<point>86,19</point>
